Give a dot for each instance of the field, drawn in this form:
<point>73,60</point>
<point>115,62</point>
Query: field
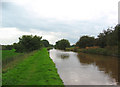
<point>8,54</point>
<point>36,69</point>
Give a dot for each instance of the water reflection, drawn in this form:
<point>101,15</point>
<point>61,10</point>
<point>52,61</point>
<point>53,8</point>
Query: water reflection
<point>85,69</point>
<point>62,55</point>
<point>105,63</point>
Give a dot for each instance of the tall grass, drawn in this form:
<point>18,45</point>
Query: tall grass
<point>9,55</point>
<point>102,51</point>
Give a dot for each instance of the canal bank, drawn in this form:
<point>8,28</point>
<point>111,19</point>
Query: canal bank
<point>85,69</point>
<point>108,51</point>
<point>36,69</point>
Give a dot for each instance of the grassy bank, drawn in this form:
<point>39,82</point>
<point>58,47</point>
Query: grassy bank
<point>109,51</point>
<point>37,69</point>
<point>100,51</point>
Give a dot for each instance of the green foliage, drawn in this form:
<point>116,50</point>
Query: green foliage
<point>86,41</point>
<point>45,43</point>
<point>62,44</point>
<point>9,55</point>
<point>108,40</point>
<point>28,43</point>
<point>7,47</point>
<point>101,40</point>
<point>96,51</point>
<point>51,45</point>
<point>108,37</point>
<point>37,69</point>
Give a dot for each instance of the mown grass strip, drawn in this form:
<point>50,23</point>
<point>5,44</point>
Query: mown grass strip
<point>37,69</point>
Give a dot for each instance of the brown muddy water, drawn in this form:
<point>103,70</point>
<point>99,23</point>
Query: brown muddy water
<point>85,69</point>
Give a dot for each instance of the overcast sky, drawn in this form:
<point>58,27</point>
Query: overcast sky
<point>56,19</point>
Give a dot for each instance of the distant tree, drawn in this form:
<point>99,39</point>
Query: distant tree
<point>72,45</point>
<point>62,44</point>
<point>3,47</point>
<point>51,45</point>
<point>86,41</point>
<point>45,43</point>
<point>7,47</point>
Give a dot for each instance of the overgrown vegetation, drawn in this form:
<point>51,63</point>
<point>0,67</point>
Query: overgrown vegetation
<point>105,42</point>
<point>101,51</point>
<point>9,55</point>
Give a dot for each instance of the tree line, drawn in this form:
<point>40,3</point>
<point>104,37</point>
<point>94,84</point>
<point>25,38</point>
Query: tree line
<point>108,37</point>
<point>29,43</point>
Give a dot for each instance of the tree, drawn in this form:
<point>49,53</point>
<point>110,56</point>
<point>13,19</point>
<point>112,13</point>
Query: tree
<point>109,37</point>
<point>18,47</point>
<point>28,43</point>
<point>86,41</point>
<point>62,44</point>
<point>8,47</point>
<point>101,40</point>
<point>45,43</point>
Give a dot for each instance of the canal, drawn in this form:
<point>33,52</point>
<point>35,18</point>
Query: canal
<point>85,69</point>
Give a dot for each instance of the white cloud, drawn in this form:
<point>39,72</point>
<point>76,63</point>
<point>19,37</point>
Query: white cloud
<point>11,35</point>
<point>71,9</point>
<point>8,35</point>
<point>52,37</point>
<point>73,17</point>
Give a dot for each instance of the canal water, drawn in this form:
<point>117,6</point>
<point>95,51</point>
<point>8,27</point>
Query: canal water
<point>85,69</point>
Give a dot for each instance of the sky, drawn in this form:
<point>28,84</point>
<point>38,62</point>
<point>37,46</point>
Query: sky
<point>55,19</point>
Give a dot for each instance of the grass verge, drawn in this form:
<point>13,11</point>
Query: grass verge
<point>37,69</point>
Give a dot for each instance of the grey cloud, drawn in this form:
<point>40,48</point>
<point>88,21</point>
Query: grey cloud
<point>15,16</point>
